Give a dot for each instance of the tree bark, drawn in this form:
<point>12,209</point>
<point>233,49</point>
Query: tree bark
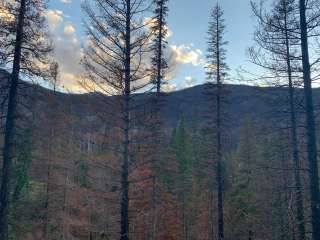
<point>8,148</point>
<point>310,126</point>
<point>219,145</point>
<point>294,143</point>
<point>125,166</point>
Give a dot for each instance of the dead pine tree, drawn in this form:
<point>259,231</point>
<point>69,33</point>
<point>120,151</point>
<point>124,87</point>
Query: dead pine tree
<point>158,71</point>
<point>277,51</point>
<point>25,49</point>
<point>310,118</point>
<point>114,63</point>
<point>216,72</point>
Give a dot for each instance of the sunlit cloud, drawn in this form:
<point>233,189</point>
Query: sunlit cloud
<point>55,18</point>
<point>69,29</point>
<point>67,49</point>
<point>189,81</point>
<point>185,54</point>
<point>169,87</point>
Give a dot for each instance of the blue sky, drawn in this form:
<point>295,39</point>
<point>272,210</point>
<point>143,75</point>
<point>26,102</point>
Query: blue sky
<point>188,22</point>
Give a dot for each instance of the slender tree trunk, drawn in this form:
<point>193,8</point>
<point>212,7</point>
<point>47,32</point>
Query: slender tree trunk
<point>8,150</point>
<point>49,170</point>
<point>211,217</point>
<point>311,129</point>
<point>250,235</point>
<point>294,143</point>
<point>47,196</point>
<point>219,147</point>
<point>219,171</point>
<point>65,225</point>
<point>157,115</point>
<point>125,166</point>
<point>154,208</point>
<point>286,208</point>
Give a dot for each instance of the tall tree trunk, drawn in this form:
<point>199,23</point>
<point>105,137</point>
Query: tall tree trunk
<point>126,145</point>
<point>47,196</point>
<point>8,150</point>
<point>154,207</point>
<point>294,143</point>
<point>219,146</point>
<point>211,217</point>
<point>311,129</point>
<point>250,235</point>
<point>157,116</point>
<point>219,171</point>
<point>49,165</point>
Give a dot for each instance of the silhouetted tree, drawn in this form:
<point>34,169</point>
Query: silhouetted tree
<point>158,72</point>
<point>310,118</point>
<point>216,72</point>
<point>25,46</point>
<point>115,64</point>
<point>277,41</point>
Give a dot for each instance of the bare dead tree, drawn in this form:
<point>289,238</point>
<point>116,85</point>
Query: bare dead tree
<point>277,51</point>
<point>115,64</point>
<point>25,50</point>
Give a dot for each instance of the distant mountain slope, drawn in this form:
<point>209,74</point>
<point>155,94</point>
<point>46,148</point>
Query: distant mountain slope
<point>190,102</point>
<point>74,169</point>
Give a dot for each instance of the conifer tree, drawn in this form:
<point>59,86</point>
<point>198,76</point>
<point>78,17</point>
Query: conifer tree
<point>25,49</point>
<point>216,72</point>
<point>158,74</point>
<point>277,51</point>
<point>114,63</point>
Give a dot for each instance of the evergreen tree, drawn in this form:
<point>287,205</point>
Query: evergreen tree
<point>217,71</point>
<point>182,150</point>
<point>158,74</point>
<point>242,195</point>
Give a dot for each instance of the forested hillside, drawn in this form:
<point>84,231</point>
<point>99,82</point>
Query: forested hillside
<point>159,120</point>
<point>67,183</point>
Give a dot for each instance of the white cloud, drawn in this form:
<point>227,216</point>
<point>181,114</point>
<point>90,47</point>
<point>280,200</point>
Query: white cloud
<point>190,81</point>
<point>66,1</point>
<point>170,87</point>
<point>68,54</point>
<point>185,54</point>
<point>67,49</point>
<point>55,18</point>
<point>69,29</point>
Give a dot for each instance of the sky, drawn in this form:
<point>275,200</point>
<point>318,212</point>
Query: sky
<point>188,24</point>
